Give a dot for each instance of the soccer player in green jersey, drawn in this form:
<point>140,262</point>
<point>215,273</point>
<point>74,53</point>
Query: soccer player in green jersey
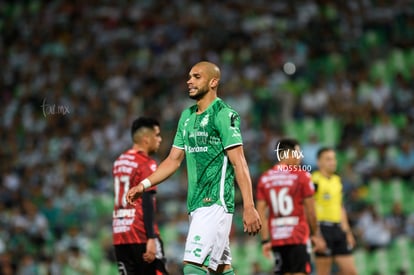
<point>208,136</point>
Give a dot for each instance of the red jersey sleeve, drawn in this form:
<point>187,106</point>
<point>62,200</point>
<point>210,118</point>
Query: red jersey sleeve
<point>143,171</point>
<point>260,192</point>
<point>307,185</point>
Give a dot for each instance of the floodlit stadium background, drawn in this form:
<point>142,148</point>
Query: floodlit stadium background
<point>75,75</point>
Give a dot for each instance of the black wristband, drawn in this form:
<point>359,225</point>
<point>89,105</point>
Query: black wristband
<point>265,241</point>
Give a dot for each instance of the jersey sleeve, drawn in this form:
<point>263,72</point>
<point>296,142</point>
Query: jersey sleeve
<point>179,135</point>
<point>136,176</point>
<point>152,166</point>
<point>314,178</point>
<point>260,192</point>
<point>228,126</point>
<point>143,171</point>
<point>308,188</point>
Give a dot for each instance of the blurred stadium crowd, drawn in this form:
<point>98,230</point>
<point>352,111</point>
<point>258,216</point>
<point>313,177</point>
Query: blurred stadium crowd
<point>76,73</point>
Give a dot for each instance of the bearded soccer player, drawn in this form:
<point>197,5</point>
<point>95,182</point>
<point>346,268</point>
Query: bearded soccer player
<point>208,135</point>
<point>136,238</point>
<point>286,205</point>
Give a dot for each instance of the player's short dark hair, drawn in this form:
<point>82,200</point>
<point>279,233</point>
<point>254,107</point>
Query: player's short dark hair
<point>323,150</point>
<point>143,122</point>
<point>286,143</point>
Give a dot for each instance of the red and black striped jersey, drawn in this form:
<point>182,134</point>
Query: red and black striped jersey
<point>129,169</point>
<point>284,188</point>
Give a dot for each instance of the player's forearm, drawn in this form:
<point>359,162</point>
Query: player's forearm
<point>148,213</point>
<point>344,221</point>
<point>262,210</point>
<point>241,171</point>
<point>311,216</point>
<point>167,167</point>
<point>313,224</point>
<point>264,232</point>
<point>245,185</point>
<point>164,171</point>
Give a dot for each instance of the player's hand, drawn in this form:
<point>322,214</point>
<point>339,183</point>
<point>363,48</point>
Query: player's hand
<point>350,239</point>
<point>251,221</point>
<point>267,250</point>
<point>150,252</point>
<point>134,193</point>
<point>318,244</point>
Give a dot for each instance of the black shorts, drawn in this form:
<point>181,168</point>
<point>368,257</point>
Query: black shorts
<point>130,262</point>
<point>292,259</point>
<point>335,239</point>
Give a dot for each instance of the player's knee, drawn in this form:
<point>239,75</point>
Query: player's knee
<point>191,269</point>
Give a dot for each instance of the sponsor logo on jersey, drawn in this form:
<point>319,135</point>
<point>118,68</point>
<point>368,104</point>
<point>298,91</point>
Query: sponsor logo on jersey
<point>196,149</point>
<point>123,213</point>
<point>198,134</point>
<point>215,140</point>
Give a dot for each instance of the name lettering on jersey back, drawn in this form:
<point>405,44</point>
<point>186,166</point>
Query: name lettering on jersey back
<point>123,169</point>
<point>279,180</point>
<point>126,163</point>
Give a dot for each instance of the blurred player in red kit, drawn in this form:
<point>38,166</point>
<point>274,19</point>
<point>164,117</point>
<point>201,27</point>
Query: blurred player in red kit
<point>136,238</point>
<point>285,203</point>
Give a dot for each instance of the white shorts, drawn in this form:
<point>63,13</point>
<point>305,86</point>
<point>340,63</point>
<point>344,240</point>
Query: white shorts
<point>208,237</point>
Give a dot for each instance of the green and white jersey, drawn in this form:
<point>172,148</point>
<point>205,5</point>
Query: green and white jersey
<point>204,137</point>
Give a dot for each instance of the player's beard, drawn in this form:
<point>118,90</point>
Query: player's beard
<point>199,94</point>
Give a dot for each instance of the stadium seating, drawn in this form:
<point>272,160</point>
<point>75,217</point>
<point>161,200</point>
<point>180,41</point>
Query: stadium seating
<point>80,46</point>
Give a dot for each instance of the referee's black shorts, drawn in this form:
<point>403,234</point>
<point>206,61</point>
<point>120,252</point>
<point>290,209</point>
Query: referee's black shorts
<point>335,239</point>
<point>130,262</point>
